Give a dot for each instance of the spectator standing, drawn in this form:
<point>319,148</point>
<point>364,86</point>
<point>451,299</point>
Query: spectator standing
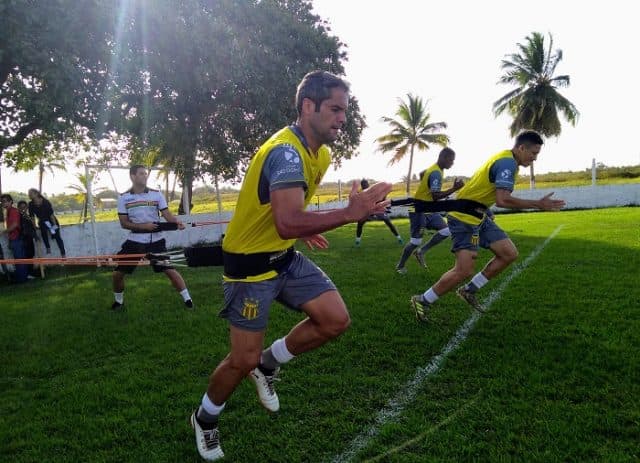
<point>41,207</point>
<point>12,229</point>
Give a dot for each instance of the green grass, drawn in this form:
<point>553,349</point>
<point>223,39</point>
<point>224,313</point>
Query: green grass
<point>550,373</point>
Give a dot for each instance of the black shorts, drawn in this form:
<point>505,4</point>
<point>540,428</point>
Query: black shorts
<point>132,247</point>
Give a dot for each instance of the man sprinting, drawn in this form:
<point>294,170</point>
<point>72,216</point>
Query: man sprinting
<point>261,265</point>
<point>492,184</point>
<point>138,210</point>
<point>430,189</point>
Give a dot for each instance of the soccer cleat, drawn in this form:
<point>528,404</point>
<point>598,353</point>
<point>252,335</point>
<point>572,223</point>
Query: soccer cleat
<point>117,307</point>
<point>420,307</point>
<point>401,270</point>
<point>400,240</point>
<point>420,258</point>
<point>189,304</point>
<point>266,391</point>
<point>207,440</point>
<point>469,298</point>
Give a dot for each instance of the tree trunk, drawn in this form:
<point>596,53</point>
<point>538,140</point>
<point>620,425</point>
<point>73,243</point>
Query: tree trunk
<point>532,180</point>
<point>185,198</point>
<point>409,174</point>
<point>40,175</point>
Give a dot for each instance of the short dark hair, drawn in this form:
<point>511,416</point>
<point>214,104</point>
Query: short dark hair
<point>364,183</point>
<point>316,86</point>
<point>21,202</point>
<point>529,137</point>
<point>6,196</point>
<point>446,151</point>
<point>36,191</point>
<point>133,170</point>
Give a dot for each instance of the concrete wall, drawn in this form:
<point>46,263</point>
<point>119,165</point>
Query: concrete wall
<point>586,197</point>
<point>79,239</point>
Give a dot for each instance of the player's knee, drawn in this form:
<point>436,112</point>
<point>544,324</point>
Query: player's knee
<point>336,325</point>
<point>510,255</point>
<point>245,361</point>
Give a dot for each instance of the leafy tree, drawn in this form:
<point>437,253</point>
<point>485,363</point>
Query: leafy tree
<point>196,93</point>
<point>36,152</point>
<point>535,102</point>
<point>411,129</point>
<point>54,66</point>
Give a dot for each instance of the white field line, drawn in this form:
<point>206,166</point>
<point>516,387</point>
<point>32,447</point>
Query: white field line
<point>408,391</point>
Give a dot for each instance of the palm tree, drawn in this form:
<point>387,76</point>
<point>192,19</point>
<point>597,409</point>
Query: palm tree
<point>535,102</point>
<point>50,165</point>
<point>409,131</point>
<point>81,193</point>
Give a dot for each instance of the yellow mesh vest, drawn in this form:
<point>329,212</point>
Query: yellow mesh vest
<point>423,192</point>
<point>479,188</point>
<point>252,228</point>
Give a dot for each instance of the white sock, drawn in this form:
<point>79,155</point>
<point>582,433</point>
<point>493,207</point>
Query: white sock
<point>210,407</point>
<point>479,280</point>
<point>119,297</point>
<point>280,351</point>
<point>430,296</point>
<point>358,239</point>
<point>185,294</point>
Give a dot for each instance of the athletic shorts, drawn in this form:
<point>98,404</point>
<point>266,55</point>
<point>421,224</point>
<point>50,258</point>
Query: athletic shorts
<point>419,221</point>
<point>465,236</point>
<point>247,304</point>
<point>133,247</point>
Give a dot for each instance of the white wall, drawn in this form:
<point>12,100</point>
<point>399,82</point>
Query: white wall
<point>79,241</point>
<point>585,197</point>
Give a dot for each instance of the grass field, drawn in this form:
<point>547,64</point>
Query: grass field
<point>550,373</point>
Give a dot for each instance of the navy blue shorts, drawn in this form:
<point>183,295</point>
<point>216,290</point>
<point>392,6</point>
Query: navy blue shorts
<point>471,237</point>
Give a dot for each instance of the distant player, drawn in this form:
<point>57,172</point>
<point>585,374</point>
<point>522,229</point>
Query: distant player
<point>364,184</point>
<point>138,211</point>
<point>492,183</point>
<point>430,189</point>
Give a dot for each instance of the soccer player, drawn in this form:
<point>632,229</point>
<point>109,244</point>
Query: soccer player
<point>364,184</point>
<point>492,183</point>
<point>138,211</point>
<point>430,189</point>
<point>260,263</point>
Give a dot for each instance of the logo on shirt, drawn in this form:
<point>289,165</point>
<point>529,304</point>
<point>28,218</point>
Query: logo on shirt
<point>506,174</point>
<point>292,156</point>
<point>250,309</point>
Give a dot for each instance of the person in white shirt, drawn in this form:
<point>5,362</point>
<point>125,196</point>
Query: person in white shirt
<point>138,211</point>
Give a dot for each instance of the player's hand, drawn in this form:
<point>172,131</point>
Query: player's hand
<point>458,183</point>
<point>546,203</point>
<point>367,202</point>
<point>315,242</point>
<point>180,225</point>
<point>149,226</point>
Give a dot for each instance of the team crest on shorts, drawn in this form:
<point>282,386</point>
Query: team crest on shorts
<point>250,309</point>
<point>475,239</point>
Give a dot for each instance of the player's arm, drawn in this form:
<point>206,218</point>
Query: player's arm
<point>169,217</point>
<point>293,221</point>
<point>457,184</point>
<point>139,227</point>
<point>546,203</point>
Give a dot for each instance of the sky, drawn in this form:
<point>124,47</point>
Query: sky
<point>449,53</point>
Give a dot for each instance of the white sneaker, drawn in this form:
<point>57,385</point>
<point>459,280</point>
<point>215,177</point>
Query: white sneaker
<point>207,440</point>
<point>264,386</point>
